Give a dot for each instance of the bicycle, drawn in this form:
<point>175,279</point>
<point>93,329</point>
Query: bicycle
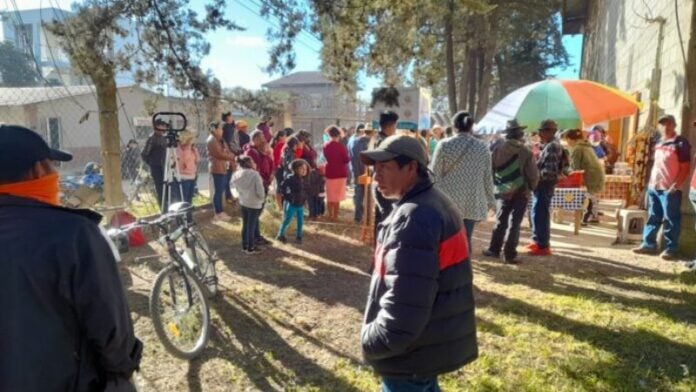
<point>179,298</point>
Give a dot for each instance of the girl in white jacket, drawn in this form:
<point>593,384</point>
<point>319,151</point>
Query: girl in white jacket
<point>249,185</point>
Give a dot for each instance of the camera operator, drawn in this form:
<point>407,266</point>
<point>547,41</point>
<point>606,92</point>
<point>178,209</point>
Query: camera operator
<point>154,153</point>
<point>231,138</point>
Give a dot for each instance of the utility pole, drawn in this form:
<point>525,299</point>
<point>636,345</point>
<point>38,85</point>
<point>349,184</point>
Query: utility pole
<point>656,79</point>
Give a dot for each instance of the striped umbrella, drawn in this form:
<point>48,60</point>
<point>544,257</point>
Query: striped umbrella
<point>571,103</point>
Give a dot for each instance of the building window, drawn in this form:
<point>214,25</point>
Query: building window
<point>24,38</point>
<point>143,127</point>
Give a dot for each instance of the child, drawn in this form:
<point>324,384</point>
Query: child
<point>316,183</point>
<point>248,183</point>
<point>187,159</point>
<point>294,191</point>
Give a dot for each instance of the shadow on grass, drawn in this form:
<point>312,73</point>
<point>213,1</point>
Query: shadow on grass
<point>677,306</point>
<point>644,360</point>
<point>261,354</point>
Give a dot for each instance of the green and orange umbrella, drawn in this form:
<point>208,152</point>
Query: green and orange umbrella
<point>571,103</point>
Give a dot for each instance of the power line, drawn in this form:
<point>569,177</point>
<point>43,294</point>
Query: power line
<point>303,30</point>
<point>23,33</point>
<point>257,13</point>
<point>118,93</point>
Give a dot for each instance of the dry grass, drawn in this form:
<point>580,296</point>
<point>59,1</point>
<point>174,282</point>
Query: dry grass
<point>592,317</point>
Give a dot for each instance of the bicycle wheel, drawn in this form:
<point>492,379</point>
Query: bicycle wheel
<point>179,312</point>
<point>197,250</point>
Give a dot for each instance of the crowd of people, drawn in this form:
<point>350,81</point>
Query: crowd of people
<point>430,190</point>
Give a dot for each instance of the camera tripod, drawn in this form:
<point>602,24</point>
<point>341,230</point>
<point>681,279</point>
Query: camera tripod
<point>172,174</point>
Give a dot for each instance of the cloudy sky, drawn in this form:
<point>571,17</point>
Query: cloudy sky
<point>238,58</point>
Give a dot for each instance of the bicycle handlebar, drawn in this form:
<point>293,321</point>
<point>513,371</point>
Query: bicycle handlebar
<point>159,222</point>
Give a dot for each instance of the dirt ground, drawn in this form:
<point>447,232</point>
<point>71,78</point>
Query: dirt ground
<point>289,318</point>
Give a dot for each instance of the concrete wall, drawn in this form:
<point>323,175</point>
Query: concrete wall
<point>82,139</point>
<point>620,48</point>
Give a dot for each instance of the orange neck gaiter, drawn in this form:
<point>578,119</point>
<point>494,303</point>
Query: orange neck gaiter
<point>44,189</point>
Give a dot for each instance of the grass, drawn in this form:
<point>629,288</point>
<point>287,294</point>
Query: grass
<point>591,318</point>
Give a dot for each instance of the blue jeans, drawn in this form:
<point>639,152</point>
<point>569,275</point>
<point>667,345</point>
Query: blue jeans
<point>219,191</point>
<point>250,222</point>
<point>663,209</point>
<point>358,200</point>
<point>396,385</point>
<point>469,227</point>
<point>228,190</point>
<point>541,214</point>
<point>187,187</point>
<point>508,220</point>
<point>290,211</point>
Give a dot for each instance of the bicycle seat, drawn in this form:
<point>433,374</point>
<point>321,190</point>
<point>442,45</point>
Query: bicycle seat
<point>180,208</point>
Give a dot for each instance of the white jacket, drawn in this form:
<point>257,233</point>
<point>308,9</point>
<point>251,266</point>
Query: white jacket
<point>249,186</point>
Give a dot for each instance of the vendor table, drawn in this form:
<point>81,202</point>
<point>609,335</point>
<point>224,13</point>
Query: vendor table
<point>570,199</point>
<point>616,188</point>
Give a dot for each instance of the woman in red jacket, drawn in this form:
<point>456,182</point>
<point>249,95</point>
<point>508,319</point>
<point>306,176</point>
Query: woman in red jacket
<point>337,160</point>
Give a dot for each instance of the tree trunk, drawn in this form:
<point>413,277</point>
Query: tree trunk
<point>471,75</point>
<point>484,93</point>
<point>449,63</point>
<point>110,139</point>
<point>463,84</point>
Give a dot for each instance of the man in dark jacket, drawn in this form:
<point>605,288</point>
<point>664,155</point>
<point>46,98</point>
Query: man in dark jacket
<point>231,138</point>
<point>387,127</point>
<point>515,175</point>
<point>154,153</point>
<point>66,324</point>
<point>419,319</point>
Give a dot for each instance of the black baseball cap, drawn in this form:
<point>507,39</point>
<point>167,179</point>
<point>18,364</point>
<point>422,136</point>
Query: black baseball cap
<point>667,117</point>
<point>394,146</point>
<point>21,148</point>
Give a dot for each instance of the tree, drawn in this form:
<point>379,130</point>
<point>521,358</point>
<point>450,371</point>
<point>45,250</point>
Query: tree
<point>16,67</point>
<point>170,38</point>
<point>449,45</point>
<point>261,103</point>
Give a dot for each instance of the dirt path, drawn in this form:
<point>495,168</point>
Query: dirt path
<point>289,319</point>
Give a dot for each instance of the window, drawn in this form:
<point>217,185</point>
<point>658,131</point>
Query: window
<point>143,127</point>
<point>24,38</point>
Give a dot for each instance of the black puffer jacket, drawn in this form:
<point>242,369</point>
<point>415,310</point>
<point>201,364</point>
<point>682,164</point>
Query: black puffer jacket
<point>295,190</point>
<point>65,324</point>
<point>419,321</point>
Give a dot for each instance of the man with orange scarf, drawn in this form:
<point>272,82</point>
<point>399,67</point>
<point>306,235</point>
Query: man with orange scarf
<point>66,323</point>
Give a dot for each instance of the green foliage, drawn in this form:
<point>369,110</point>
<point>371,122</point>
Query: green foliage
<point>169,39</point>
<point>16,67</point>
<point>261,103</point>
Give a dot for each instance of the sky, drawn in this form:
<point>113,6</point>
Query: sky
<point>238,58</point>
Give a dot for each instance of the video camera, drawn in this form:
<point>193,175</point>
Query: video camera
<point>172,127</point>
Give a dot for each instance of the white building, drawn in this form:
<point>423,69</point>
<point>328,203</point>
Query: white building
<point>26,31</point>
<point>68,118</point>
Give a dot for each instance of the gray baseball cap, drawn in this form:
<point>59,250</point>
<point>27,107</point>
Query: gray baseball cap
<point>394,146</point>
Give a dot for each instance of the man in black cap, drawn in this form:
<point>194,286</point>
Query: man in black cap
<point>154,153</point>
<point>387,127</point>
<point>231,138</point>
<point>515,175</point>
<point>552,163</point>
<point>667,178</point>
<point>66,324</point>
<point>419,321</point>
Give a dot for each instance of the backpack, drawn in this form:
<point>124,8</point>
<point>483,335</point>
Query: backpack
<point>508,179</point>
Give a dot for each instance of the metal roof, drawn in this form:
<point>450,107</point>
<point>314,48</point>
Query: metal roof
<point>17,96</point>
<point>574,14</point>
<point>299,79</point>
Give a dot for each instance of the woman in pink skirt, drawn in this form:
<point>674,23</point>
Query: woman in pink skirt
<point>337,159</point>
